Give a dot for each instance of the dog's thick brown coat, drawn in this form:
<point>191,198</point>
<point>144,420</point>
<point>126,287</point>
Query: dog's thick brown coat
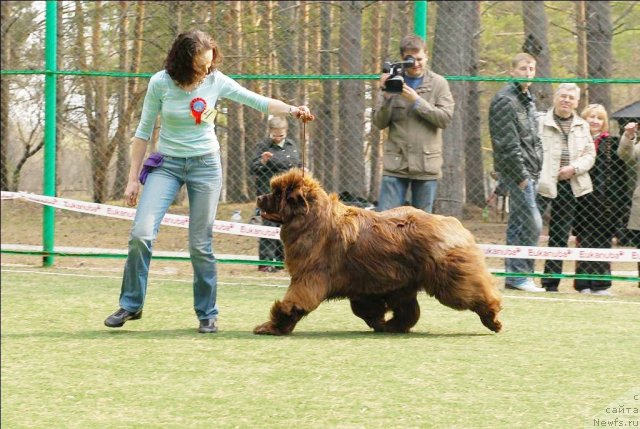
<point>379,261</point>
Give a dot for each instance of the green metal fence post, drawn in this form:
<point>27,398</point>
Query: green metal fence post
<point>49,182</point>
<point>420,19</point>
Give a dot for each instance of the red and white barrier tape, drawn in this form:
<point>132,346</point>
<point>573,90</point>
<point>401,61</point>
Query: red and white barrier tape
<point>129,213</point>
<point>560,253</point>
<point>260,231</point>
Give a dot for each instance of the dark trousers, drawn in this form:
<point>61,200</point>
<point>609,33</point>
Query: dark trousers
<point>635,240</point>
<point>270,249</point>
<point>563,208</point>
<point>595,226</point>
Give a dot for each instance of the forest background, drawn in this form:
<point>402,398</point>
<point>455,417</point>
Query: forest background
<point>326,54</point>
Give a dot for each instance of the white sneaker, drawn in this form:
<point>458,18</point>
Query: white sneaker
<point>603,292</point>
<point>528,286</point>
<point>585,291</point>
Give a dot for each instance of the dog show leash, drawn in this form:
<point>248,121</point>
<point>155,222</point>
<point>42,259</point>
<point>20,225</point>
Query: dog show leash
<point>303,140</point>
<point>303,143</point>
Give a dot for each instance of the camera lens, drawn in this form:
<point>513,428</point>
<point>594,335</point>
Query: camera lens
<point>410,60</point>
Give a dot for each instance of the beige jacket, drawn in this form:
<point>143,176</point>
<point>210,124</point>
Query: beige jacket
<point>629,151</point>
<point>413,148</point>
<point>582,155</point>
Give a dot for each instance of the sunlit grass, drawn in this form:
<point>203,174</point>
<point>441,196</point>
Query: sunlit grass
<point>557,363</point>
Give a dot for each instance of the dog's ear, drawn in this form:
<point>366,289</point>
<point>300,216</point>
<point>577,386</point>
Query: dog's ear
<point>290,188</point>
<point>303,193</point>
<point>294,201</point>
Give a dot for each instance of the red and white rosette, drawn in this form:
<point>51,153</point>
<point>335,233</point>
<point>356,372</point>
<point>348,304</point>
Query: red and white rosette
<point>198,105</point>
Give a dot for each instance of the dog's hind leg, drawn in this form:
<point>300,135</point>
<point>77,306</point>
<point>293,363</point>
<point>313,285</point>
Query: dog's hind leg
<point>371,309</point>
<point>487,302</point>
<point>489,317</point>
<point>406,311</point>
<point>488,311</point>
<point>475,293</point>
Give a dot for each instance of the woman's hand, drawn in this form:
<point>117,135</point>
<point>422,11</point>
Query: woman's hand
<point>301,112</point>
<point>131,193</point>
<point>630,130</point>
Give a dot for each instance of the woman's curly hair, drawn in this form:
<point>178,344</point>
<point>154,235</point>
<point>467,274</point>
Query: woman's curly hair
<point>186,46</point>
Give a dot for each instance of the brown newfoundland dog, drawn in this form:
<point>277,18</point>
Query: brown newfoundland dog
<point>379,261</point>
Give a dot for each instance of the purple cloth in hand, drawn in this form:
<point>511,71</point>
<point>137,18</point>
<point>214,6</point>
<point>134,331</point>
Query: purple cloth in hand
<point>155,160</point>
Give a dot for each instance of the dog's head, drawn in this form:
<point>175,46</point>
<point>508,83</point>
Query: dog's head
<point>292,194</point>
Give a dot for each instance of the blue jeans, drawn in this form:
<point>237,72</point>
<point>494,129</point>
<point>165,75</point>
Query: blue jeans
<point>393,191</point>
<point>523,228</point>
<point>203,177</point>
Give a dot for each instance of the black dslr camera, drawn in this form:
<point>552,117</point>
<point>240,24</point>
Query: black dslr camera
<point>394,83</point>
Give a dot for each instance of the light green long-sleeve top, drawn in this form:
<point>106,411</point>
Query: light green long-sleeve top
<point>180,136</point>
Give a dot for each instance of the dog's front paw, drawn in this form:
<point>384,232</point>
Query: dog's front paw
<point>266,329</point>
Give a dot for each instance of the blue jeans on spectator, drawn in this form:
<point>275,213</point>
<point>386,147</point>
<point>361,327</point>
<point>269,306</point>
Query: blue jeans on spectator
<point>393,191</point>
<point>523,228</point>
<point>202,176</point>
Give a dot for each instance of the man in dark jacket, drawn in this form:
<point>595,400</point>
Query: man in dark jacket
<point>273,155</point>
<point>517,157</point>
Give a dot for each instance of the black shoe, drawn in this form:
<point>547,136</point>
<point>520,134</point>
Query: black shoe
<point>118,318</point>
<point>208,326</point>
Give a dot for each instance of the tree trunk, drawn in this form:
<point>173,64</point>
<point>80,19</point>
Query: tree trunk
<point>175,17</point>
<point>60,98</point>
<point>81,58</point>
<point>95,105</point>
<point>448,60</point>
<point>255,131</point>
<point>288,55</point>
<point>374,155</point>
<point>28,149</point>
<point>129,105</point>
<point>581,33</point>
<point>5,59</point>
<point>302,66</point>
<point>122,144</point>
<point>535,43</point>
<point>274,88</point>
<point>324,142</point>
<point>351,105</point>
<point>471,112</point>
<point>382,30</point>
<point>236,168</point>
<point>101,153</point>
<point>599,58</point>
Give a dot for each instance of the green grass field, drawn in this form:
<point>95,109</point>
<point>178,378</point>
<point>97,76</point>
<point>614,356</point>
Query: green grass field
<point>558,363</point>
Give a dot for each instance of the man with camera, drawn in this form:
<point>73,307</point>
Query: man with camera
<point>416,105</point>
